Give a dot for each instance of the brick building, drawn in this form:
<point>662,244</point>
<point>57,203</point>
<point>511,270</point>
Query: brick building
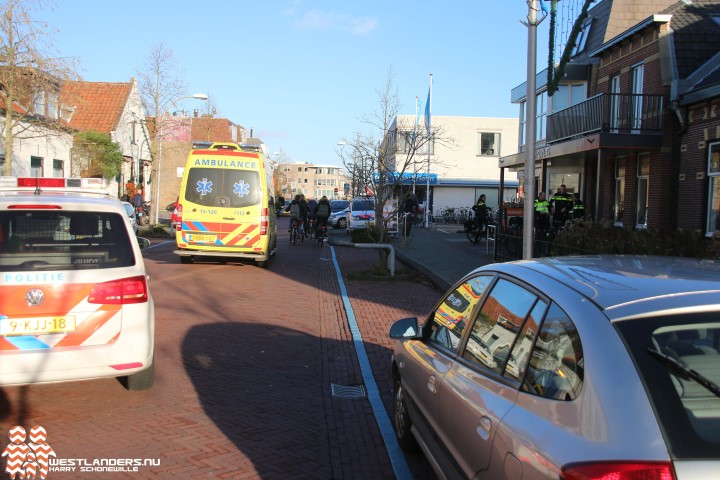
<point>632,124</point>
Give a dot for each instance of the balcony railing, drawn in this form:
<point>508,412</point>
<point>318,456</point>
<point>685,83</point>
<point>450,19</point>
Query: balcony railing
<point>612,113</point>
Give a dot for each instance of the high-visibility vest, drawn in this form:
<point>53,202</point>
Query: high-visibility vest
<point>542,206</point>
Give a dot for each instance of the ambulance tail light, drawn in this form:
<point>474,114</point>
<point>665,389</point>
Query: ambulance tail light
<point>120,292</point>
<point>178,216</point>
<point>264,222</point>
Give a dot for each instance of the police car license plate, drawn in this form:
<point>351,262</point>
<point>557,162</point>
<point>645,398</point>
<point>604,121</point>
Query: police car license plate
<point>195,237</point>
<point>37,325</point>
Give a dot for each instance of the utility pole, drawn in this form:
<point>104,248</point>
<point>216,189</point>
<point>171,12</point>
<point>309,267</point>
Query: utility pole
<point>530,105</point>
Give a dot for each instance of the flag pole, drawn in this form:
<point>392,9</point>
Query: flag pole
<point>417,116</point>
<point>428,114</point>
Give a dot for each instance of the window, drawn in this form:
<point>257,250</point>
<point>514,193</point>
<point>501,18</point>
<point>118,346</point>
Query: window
<point>36,167</point>
<point>614,103</point>
<point>451,317</point>
<point>39,103</point>
<point>643,179</point>
<point>556,365</point>
<point>52,107</point>
<point>540,115</point>
<point>488,144</point>
<point>520,354</point>
<point>713,218</point>
<point>299,169</point>
<point>581,40</point>
<point>619,191</point>
<point>62,240</point>
<point>58,168</point>
<point>495,328</point>
<point>567,96</point>
<point>637,99</point>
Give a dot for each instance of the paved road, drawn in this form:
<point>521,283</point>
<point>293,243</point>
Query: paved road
<point>245,361</point>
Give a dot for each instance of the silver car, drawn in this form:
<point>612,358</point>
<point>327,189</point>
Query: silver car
<point>566,368</point>
<point>130,210</point>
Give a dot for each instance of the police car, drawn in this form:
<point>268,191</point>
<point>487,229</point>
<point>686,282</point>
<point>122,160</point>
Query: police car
<point>74,298</point>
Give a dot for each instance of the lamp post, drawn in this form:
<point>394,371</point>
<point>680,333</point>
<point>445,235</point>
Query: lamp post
<point>197,96</point>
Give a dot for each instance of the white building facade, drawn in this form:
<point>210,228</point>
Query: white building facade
<point>463,160</point>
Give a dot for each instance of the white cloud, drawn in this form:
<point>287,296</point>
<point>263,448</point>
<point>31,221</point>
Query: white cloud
<point>321,20</point>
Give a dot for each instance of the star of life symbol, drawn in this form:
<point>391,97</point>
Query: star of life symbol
<point>241,188</point>
<point>29,460</point>
<point>204,186</point>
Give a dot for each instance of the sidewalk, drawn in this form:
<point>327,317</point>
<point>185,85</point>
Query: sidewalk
<point>442,253</point>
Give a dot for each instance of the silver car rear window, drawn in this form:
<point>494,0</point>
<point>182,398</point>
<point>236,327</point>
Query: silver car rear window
<point>678,358</point>
<point>39,240</point>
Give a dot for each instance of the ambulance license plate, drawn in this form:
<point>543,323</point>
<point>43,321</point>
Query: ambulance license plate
<point>37,325</point>
<point>195,237</point>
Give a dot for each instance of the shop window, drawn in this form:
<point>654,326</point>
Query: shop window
<point>713,218</point>
<point>619,205</point>
<point>643,180</point>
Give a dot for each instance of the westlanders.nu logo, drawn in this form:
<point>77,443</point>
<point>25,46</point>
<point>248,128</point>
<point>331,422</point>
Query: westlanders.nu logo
<point>31,460</point>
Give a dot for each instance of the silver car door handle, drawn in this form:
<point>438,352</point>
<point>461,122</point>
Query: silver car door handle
<point>431,385</point>
<point>483,428</point>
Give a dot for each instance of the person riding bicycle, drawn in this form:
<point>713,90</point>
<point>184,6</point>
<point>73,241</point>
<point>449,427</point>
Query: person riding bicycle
<point>481,213</point>
<point>410,207</point>
<point>295,210</point>
<point>304,209</point>
<point>322,212</point>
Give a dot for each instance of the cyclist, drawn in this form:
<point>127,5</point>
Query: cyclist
<point>304,209</point>
<point>321,212</point>
<point>295,210</point>
<point>410,207</point>
<point>311,221</point>
<point>481,213</point>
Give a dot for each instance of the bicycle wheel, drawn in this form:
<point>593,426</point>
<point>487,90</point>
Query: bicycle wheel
<point>472,231</point>
<point>293,236</point>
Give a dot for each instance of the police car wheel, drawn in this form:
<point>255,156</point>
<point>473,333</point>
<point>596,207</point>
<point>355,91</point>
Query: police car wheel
<point>342,223</point>
<point>141,380</point>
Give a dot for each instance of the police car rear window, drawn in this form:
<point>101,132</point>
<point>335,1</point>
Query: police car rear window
<point>51,240</point>
<point>220,187</point>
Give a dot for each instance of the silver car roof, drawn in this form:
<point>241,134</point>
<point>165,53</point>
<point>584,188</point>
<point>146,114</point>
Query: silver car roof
<point>628,285</point>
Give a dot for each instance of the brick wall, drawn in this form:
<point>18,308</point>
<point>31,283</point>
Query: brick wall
<point>702,129</point>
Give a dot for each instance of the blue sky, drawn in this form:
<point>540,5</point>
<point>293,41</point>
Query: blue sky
<point>302,73</point>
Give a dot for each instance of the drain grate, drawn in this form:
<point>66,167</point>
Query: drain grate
<point>345,391</point>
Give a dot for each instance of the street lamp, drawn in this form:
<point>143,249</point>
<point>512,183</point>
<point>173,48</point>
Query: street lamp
<point>197,96</point>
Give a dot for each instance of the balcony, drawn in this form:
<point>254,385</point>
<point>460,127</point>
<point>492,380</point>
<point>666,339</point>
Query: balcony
<point>607,113</point>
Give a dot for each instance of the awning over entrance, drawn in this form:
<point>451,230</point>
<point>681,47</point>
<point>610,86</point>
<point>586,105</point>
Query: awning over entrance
<point>591,142</point>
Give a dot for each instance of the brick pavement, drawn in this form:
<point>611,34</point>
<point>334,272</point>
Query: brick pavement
<point>218,409</point>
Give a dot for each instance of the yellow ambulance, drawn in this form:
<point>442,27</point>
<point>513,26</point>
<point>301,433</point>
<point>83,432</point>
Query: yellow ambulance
<point>226,204</point>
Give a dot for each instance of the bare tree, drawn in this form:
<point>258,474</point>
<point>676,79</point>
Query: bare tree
<point>30,76</point>
<point>160,84</point>
<point>388,161</point>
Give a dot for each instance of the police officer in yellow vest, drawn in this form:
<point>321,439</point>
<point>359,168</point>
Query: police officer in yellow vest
<point>561,205</point>
<point>542,212</point>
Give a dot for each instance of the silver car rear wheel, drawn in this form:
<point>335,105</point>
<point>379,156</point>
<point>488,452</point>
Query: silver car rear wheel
<point>401,418</point>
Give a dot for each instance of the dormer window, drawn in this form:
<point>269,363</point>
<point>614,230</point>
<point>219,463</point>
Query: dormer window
<point>581,40</point>
<point>46,105</point>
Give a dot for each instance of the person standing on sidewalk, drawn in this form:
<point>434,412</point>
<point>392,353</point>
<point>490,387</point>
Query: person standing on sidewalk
<point>542,212</point>
<point>561,206</point>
